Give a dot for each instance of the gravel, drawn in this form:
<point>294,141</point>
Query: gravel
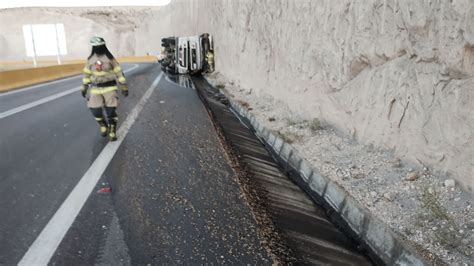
<point>428,209</point>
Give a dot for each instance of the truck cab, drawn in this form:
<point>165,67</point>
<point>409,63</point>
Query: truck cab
<point>192,54</point>
<point>195,54</point>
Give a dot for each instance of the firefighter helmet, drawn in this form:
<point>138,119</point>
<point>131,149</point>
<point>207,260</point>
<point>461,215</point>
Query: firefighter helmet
<point>96,41</point>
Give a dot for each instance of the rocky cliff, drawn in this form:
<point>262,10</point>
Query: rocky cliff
<point>119,26</point>
<point>397,74</point>
<point>394,73</point>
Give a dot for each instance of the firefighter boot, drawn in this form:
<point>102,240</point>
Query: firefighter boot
<point>113,129</point>
<point>103,126</point>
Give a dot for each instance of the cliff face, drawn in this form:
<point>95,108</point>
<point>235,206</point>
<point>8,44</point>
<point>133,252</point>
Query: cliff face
<point>398,74</point>
<point>117,25</point>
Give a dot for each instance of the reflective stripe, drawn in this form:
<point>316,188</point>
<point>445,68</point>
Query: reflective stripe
<point>86,80</point>
<point>103,90</point>
<point>99,118</point>
<point>87,71</point>
<point>122,79</point>
<point>117,69</point>
<point>100,73</point>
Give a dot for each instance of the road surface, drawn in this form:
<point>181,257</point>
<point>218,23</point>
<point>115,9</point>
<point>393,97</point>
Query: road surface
<point>164,193</point>
<point>173,195</point>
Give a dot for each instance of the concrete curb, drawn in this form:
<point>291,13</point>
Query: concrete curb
<point>370,231</point>
<point>19,78</point>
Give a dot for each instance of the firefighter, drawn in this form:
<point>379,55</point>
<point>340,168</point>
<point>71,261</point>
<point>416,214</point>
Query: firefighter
<point>210,61</point>
<point>103,76</point>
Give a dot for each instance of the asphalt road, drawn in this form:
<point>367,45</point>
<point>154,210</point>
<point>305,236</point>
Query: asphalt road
<point>174,197</point>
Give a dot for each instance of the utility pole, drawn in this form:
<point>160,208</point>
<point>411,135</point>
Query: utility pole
<point>57,45</point>
<point>34,48</point>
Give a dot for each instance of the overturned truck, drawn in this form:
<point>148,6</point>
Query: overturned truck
<point>188,55</point>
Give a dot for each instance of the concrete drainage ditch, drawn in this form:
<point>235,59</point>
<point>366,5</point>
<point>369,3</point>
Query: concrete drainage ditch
<point>293,226</point>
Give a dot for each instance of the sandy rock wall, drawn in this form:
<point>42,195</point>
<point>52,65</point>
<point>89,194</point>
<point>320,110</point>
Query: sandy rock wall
<point>394,73</point>
<point>398,74</point>
<point>117,25</point>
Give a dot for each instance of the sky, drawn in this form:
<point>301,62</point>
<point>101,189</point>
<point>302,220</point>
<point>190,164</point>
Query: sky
<point>69,3</point>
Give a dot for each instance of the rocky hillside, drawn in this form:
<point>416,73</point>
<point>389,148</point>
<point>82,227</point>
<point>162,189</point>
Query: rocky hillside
<point>119,26</point>
<point>392,73</point>
<point>396,74</point>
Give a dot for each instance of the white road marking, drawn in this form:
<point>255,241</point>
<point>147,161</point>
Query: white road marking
<point>51,83</point>
<point>37,86</point>
<point>43,248</point>
<point>46,99</point>
<point>38,102</point>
